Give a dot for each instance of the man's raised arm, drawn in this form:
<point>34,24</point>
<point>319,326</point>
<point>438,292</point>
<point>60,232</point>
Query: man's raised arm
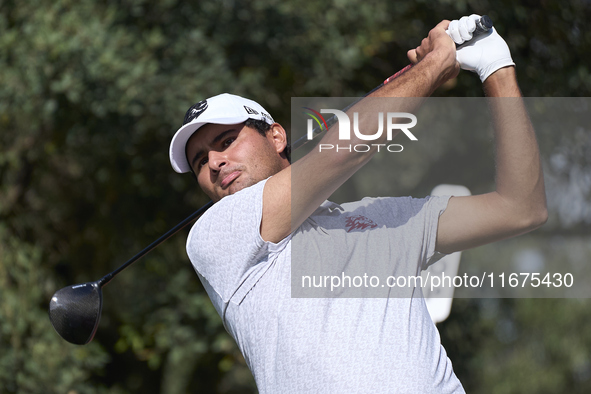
<point>518,204</point>
<point>307,183</point>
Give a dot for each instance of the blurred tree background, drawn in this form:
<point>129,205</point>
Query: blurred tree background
<point>91,91</point>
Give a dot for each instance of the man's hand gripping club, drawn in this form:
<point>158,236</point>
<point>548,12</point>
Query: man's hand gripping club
<point>484,54</point>
<point>439,50</point>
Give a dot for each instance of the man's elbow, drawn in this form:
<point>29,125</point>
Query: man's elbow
<point>541,217</point>
<point>535,219</point>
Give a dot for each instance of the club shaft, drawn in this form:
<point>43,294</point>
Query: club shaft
<point>107,278</point>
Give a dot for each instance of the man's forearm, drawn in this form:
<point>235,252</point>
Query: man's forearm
<point>434,63</point>
<point>422,79</point>
<point>503,83</point>
<point>519,176</point>
<point>317,175</point>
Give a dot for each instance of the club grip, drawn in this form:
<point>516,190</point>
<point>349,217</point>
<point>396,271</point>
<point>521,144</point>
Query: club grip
<point>483,25</point>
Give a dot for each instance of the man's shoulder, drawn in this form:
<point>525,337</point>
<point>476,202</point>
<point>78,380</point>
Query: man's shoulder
<point>245,197</point>
<point>233,211</point>
<point>247,192</point>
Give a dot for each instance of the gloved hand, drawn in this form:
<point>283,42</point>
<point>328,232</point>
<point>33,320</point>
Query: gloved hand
<point>485,54</point>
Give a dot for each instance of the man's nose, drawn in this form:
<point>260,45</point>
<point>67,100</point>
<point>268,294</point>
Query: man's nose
<point>217,160</point>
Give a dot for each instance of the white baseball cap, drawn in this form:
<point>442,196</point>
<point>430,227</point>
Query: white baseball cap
<point>221,109</point>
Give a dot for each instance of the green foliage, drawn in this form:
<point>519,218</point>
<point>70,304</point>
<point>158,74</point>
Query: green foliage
<point>520,345</point>
<point>90,95</point>
<point>33,357</point>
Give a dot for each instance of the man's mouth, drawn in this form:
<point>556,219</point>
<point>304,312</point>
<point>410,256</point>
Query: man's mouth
<point>229,179</point>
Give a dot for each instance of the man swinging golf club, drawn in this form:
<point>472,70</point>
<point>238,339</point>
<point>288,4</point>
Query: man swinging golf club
<point>242,247</point>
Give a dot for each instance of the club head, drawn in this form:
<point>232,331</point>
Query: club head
<point>75,312</point>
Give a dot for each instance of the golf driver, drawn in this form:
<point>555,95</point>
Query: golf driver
<point>75,311</point>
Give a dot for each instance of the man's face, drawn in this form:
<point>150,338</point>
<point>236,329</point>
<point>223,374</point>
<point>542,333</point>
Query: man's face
<point>228,158</point>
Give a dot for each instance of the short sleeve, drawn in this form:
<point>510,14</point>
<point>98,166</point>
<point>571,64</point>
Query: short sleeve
<point>226,248</point>
<point>434,207</point>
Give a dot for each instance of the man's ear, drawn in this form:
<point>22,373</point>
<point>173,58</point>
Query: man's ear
<point>278,137</point>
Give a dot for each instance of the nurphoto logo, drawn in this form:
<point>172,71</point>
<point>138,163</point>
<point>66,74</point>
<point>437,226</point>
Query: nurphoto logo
<point>392,124</point>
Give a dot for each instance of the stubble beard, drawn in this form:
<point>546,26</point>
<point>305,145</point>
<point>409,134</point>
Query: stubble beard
<point>246,179</point>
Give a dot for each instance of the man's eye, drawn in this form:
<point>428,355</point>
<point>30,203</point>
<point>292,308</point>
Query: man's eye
<point>229,141</point>
<point>202,162</point>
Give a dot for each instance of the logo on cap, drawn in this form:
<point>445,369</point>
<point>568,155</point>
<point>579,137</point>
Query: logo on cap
<point>250,111</point>
<point>195,111</point>
<point>267,117</point>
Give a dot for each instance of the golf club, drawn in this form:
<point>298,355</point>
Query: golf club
<point>75,311</point>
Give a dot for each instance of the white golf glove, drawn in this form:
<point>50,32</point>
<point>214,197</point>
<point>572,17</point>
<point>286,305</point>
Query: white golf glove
<point>485,54</point>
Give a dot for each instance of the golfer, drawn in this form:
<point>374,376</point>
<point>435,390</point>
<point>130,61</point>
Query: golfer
<point>242,247</point>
